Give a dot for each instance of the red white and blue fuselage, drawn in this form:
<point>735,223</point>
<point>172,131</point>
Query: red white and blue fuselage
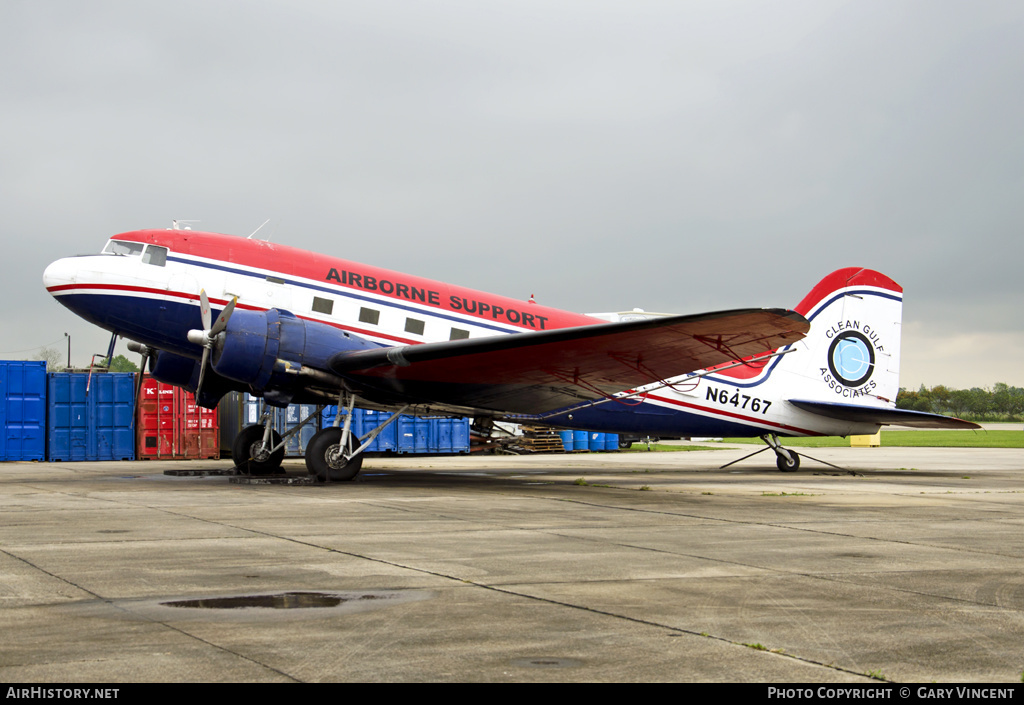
<point>146,285</point>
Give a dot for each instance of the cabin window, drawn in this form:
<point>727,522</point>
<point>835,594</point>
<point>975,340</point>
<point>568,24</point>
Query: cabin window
<point>414,326</point>
<point>459,334</point>
<point>155,255</point>
<point>123,247</point>
<point>323,305</point>
<point>369,315</point>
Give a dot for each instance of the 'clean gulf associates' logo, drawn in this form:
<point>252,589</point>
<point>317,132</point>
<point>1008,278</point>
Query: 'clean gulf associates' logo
<point>851,358</point>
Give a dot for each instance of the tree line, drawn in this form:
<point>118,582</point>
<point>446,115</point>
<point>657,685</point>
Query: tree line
<point>1000,402</point>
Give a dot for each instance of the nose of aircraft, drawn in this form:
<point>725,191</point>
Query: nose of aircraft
<point>59,273</point>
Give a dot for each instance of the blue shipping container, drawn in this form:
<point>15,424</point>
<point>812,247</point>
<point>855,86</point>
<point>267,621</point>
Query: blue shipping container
<point>98,424</point>
<point>22,410</point>
<point>296,445</point>
<point>408,434</point>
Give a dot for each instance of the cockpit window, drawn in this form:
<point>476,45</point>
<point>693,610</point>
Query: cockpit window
<point>123,247</point>
<point>155,255</point>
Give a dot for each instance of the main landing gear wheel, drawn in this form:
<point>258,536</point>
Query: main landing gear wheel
<point>251,456</point>
<point>787,464</point>
<point>325,459</point>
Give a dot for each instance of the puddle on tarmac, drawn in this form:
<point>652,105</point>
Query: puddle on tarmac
<point>279,601</point>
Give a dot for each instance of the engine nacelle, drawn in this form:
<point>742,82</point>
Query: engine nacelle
<point>174,369</point>
<point>184,372</point>
<point>255,346</point>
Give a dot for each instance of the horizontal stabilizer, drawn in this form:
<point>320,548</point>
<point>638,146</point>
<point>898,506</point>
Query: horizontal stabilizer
<point>872,414</point>
<point>539,371</point>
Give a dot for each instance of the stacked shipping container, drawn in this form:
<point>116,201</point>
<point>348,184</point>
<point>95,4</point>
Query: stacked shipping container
<point>172,426</point>
<point>90,416</point>
<point>22,410</point>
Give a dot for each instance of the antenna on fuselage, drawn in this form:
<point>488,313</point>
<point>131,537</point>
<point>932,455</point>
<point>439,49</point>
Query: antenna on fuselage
<point>258,229</point>
<point>182,224</point>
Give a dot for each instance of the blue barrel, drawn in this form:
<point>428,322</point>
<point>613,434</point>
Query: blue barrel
<point>611,441</point>
<point>596,441</point>
<point>580,440</point>
<point>566,437</point>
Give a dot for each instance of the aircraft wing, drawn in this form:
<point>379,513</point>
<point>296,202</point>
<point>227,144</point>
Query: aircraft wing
<point>533,372</point>
<point>869,414</point>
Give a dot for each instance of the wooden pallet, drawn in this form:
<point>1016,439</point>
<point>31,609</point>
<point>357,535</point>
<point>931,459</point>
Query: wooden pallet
<point>540,439</point>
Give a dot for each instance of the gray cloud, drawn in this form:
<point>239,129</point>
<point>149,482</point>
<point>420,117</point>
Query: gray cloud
<point>602,155</point>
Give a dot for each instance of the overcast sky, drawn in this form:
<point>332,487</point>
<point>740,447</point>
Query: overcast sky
<point>675,156</point>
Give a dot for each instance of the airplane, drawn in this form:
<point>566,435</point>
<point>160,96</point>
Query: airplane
<point>213,313</point>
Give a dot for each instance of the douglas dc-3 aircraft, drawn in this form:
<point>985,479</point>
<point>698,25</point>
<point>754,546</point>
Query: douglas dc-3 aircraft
<point>214,313</point>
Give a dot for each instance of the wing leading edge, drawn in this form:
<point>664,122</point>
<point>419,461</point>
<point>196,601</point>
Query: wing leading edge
<point>533,372</point>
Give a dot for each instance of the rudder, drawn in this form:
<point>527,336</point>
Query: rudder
<point>852,353</point>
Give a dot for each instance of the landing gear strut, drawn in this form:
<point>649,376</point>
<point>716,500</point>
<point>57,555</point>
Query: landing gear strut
<point>785,460</point>
<point>259,449</point>
<point>335,454</point>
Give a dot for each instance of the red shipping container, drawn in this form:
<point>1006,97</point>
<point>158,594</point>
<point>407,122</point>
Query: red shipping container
<point>172,427</point>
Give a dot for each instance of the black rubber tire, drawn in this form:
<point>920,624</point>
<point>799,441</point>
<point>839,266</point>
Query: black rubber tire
<point>323,459</point>
<point>792,464</point>
<point>242,452</point>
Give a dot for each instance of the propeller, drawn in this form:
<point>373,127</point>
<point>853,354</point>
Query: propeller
<point>208,335</point>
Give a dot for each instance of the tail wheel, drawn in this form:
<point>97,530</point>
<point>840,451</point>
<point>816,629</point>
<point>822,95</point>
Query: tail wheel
<point>251,456</point>
<point>787,461</point>
<point>325,459</point>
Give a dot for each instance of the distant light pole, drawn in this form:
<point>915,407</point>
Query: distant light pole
<point>69,349</point>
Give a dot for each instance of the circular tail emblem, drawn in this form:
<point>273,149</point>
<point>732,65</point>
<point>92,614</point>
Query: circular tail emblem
<point>851,358</point>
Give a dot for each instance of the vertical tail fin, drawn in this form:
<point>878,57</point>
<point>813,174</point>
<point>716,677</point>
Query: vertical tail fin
<point>852,353</point>
<point>851,368</point>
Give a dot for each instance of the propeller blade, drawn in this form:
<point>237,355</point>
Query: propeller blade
<point>222,320</point>
<point>204,309</point>
<point>210,331</point>
<point>202,370</point>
